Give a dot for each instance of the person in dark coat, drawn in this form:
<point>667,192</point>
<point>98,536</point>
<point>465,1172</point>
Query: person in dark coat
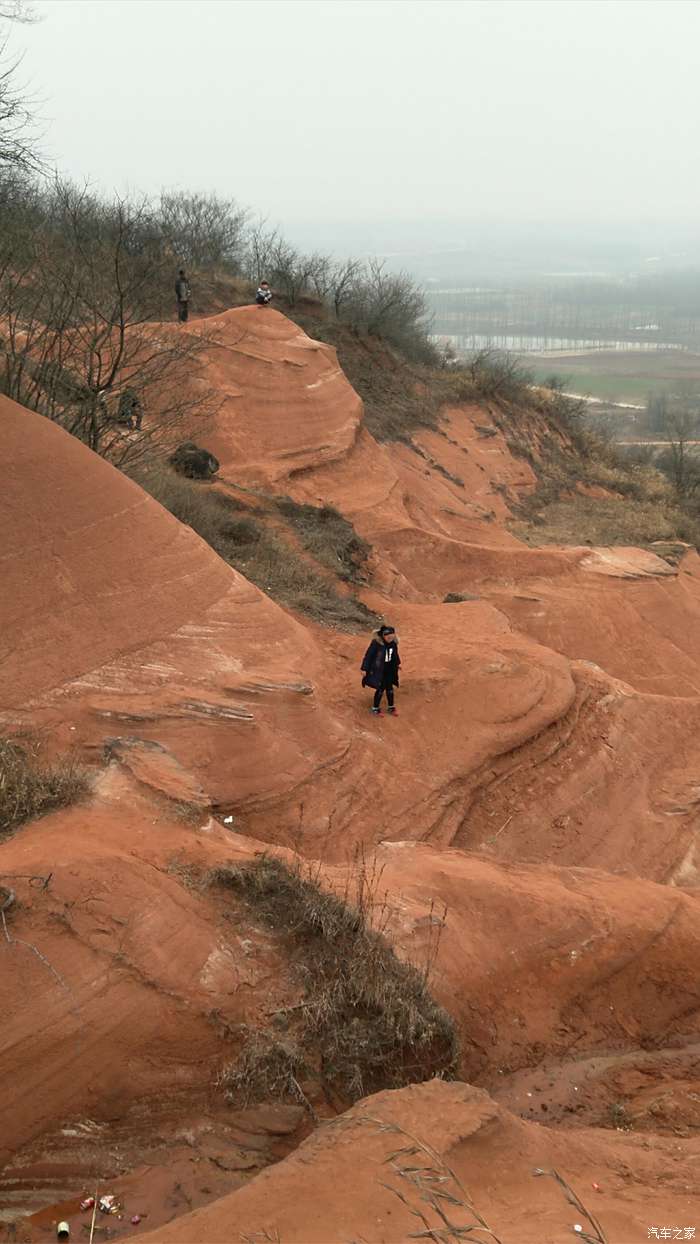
<point>182,293</point>
<point>380,668</point>
<point>129,411</point>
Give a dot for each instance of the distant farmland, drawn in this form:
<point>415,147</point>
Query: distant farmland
<point>618,375</point>
<point>616,338</point>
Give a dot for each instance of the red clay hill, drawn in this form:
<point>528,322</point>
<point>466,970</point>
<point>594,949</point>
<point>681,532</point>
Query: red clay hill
<point>531,817</point>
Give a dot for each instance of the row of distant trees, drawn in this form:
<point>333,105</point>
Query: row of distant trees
<point>643,312</point>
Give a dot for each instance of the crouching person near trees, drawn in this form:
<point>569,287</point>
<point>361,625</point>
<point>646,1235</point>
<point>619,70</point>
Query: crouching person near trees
<point>380,668</point>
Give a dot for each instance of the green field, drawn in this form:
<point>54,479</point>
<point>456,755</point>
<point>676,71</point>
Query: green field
<point>619,377</point>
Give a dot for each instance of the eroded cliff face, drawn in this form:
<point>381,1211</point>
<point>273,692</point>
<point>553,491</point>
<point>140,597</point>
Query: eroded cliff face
<point>541,785</point>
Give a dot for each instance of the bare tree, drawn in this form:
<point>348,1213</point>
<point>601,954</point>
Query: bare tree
<point>260,244</point>
<point>16,122</point>
<point>291,271</point>
<point>682,463</point>
<point>203,229</point>
<point>393,306</point>
<point>17,11</point>
<point>321,275</point>
<point>79,342</point>
<point>344,279</point>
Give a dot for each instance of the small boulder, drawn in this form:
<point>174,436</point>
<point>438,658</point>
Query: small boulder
<point>196,463</point>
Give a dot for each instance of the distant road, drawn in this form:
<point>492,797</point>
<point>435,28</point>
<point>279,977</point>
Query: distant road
<point>603,401</point>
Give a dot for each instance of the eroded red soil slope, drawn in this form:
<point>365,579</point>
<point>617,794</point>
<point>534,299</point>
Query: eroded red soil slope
<point>533,813</point>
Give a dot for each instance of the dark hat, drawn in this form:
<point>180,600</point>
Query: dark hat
<point>386,630</point>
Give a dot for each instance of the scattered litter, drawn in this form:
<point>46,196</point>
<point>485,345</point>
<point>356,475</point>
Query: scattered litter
<point>576,1088</point>
<point>529,1094</point>
<point>135,1220</point>
<point>578,1227</point>
<point>108,1204</point>
<point>595,1186</point>
<point>228,820</point>
<point>87,1203</point>
<point>63,1231</point>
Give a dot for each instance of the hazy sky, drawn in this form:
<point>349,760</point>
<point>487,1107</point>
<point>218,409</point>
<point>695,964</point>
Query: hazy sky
<point>312,110</point>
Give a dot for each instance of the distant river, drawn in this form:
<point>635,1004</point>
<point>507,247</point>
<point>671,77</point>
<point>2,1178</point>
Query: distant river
<point>465,342</point>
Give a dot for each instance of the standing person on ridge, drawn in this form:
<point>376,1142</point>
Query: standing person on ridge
<point>182,293</point>
<point>264,294</point>
<point>380,668</point>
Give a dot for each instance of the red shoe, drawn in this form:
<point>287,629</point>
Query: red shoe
<point>376,712</point>
<point>393,711</point>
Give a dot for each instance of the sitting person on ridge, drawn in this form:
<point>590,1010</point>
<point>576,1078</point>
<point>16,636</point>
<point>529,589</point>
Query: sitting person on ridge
<point>380,668</point>
<point>264,294</point>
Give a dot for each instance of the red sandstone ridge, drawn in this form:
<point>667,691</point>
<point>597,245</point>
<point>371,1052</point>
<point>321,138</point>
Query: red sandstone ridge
<point>285,404</point>
<point>540,789</point>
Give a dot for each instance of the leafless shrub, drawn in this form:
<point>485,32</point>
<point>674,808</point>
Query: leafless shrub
<point>391,305</point>
<point>497,375</point>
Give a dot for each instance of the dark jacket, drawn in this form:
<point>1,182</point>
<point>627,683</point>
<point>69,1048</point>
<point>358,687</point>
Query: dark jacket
<point>377,669</point>
<point>182,289</point>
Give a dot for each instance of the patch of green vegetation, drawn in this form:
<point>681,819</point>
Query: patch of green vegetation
<point>609,386</point>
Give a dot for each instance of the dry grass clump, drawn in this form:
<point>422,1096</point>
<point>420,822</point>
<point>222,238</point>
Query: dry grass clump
<point>245,543</point>
<point>268,1068</point>
<point>605,521</point>
<point>328,536</point>
<point>29,788</point>
<point>367,1021</point>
